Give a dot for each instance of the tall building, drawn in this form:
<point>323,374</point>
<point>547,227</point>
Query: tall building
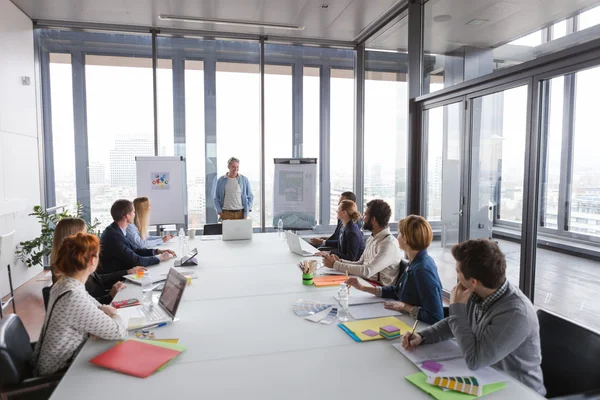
<point>122,158</point>
<point>97,172</point>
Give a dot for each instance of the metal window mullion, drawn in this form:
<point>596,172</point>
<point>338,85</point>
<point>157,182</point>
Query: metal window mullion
<point>155,90</point>
<point>178,71</point>
<point>325,143</point>
<point>297,108</point>
<point>210,136</point>
<point>544,122</point>
<point>262,135</point>
<point>50,186</point>
<point>566,169</point>
<point>80,132</point>
<point>359,127</point>
<point>531,184</point>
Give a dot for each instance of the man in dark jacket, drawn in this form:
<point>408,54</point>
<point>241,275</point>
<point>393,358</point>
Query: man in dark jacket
<point>116,250</point>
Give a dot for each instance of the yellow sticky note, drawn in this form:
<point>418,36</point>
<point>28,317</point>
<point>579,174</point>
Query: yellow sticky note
<point>358,327</point>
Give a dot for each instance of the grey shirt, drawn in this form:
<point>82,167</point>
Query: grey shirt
<point>506,336</point>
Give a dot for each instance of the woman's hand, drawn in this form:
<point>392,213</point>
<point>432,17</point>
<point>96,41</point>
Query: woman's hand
<point>354,282</point>
<point>117,287</point>
<point>395,305</point>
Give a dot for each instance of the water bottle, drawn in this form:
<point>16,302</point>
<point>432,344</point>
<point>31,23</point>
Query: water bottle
<point>181,236</point>
<point>147,287</point>
<point>280,228</point>
<point>343,300</point>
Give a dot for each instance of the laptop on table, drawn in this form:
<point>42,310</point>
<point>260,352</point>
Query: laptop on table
<point>188,260</point>
<point>164,311</point>
<point>295,246</point>
<point>237,229</point>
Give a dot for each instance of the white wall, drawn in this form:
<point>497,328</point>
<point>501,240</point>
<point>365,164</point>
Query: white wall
<point>19,161</point>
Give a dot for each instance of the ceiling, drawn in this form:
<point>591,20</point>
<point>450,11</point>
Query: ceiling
<point>502,22</point>
<point>342,20</point>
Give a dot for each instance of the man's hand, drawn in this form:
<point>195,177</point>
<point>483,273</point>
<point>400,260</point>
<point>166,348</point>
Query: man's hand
<point>316,242</point>
<point>135,270</point>
<point>329,260</point>
<point>354,282</point>
<point>322,253</point>
<point>460,294</point>
<point>395,305</point>
<point>166,238</point>
<point>108,310</point>
<point>164,256</point>
<point>411,340</point>
<point>116,288</point>
<point>220,215</point>
<point>166,251</point>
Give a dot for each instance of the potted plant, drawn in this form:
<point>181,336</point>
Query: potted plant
<point>33,252</point>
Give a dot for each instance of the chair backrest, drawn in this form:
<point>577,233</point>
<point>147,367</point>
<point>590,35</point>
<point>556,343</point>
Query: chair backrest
<point>570,356</point>
<point>213,229</point>
<point>46,296</point>
<point>15,352</point>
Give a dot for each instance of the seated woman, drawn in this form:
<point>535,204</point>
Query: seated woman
<point>350,242</point>
<point>73,315</point>
<point>137,233</point>
<point>419,290</point>
<point>97,285</point>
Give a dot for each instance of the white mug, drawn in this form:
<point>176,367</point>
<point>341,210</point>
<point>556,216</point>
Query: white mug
<point>191,233</point>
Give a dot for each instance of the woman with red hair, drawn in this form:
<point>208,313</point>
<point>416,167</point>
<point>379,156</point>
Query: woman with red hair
<point>73,315</point>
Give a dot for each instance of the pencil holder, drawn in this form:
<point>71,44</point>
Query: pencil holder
<point>307,279</point>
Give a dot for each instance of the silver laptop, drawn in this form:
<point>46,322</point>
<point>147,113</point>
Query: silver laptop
<point>295,246</point>
<point>237,229</point>
<point>167,306</point>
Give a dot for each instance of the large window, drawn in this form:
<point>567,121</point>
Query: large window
<point>119,125</point>
<point>386,110</point>
<point>342,136</point>
<point>63,137</point>
<point>311,129</point>
<point>238,122</point>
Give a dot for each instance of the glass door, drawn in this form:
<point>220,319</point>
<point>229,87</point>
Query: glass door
<point>444,133</point>
<point>497,158</point>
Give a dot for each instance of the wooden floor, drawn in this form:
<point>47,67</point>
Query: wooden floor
<point>565,284</point>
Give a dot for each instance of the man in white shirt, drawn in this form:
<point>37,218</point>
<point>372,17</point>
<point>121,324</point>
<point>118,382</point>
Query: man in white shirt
<point>233,196</point>
<point>381,258</point>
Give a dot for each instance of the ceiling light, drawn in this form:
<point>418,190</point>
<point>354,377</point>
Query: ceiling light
<point>477,21</point>
<point>216,21</point>
<point>324,5</point>
<point>442,18</point>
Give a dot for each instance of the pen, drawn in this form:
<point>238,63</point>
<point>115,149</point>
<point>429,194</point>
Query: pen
<point>155,325</point>
<point>414,327</point>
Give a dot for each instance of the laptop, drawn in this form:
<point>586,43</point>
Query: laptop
<point>237,229</point>
<point>164,311</point>
<point>295,246</point>
<point>188,260</point>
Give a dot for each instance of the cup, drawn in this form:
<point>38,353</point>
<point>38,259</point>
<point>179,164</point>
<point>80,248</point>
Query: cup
<point>307,279</point>
<point>191,233</point>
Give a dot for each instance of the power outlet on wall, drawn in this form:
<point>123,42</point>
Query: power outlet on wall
<point>26,80</point>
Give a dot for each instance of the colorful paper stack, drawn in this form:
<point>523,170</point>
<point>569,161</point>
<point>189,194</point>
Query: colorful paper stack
<point>389,331</point>
<point>463,384</point>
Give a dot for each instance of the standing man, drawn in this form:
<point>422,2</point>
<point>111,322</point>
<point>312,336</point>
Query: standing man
<point>331,242</point>
<point>381,258</point>
<point>233,196</point>
<point>117,253</point>
<point>494,324</point>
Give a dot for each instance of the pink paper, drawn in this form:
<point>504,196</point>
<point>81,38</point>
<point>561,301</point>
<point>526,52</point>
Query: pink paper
<point>371,333</point>
<point>432,366</point>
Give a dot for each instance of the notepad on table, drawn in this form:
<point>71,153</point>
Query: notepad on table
<point>329,280</point>
<point>356,329</point>
<point>137,357</point>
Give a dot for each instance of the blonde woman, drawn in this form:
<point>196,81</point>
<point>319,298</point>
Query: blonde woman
<point>350,242</point>
<point>137,233</point>
<point>97,284</point>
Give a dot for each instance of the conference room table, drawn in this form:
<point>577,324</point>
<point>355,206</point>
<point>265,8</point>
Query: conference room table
<point>244,341</point>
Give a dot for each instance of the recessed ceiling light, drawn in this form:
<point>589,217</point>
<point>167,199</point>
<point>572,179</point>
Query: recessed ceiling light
<point>477,21</point>
<point>234,22</point>
<point>442,18</point>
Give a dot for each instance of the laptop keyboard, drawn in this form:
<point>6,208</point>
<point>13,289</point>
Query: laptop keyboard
<point>153,313</point>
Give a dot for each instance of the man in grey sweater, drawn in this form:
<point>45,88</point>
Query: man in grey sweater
<point>492,321</point>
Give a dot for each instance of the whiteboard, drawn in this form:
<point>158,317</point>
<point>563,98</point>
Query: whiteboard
<point>163,181</point>
<point>295,192</point>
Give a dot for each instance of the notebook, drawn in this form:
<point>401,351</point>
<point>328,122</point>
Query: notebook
<point>136,358</point>
<point>356,329</point>
<point>329,280</point>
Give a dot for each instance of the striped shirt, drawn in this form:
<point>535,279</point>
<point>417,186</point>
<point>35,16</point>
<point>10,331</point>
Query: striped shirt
<point>233,195</point>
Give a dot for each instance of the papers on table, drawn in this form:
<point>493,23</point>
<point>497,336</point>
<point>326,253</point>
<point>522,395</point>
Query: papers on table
<point>358,297</point>
<point>318,316</point>
<point>374,310</point>
<point>449,355</point>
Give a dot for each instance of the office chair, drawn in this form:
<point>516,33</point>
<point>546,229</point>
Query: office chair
<point>213,229</point>
<point>46,296</point>
<point>16,352</point>
<point>570,362</point>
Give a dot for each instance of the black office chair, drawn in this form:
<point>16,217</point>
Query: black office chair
<point>570,361</point>
<point>16,379</point>
<point>46,296</point>
<point>213,229</point>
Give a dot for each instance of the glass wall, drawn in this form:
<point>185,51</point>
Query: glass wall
<point>311,120</point>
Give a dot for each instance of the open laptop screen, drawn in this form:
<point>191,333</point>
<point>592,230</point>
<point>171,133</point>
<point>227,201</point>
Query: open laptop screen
<point>172,292</point>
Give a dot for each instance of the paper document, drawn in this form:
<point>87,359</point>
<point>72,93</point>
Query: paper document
<point>357,297</point>
<point>375,310</point>
<point>318,316</point>
<point>455,366</point>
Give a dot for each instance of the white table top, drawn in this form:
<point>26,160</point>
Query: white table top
<point>244,341</point>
